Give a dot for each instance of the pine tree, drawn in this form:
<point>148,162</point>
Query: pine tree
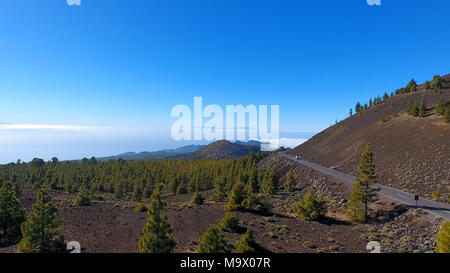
<point>229,222</point>
<point>253,181</point>
<point>351,112</point>
<point>310,208</point>
<point>289,184</point>
<point>443,238</point>
<point>427,86</point>
<point>422,108</point>
<point>270,182</point>
<point>12,214</point>
<point>42,232</point>
<point>220,194</point>
<point>247,243</point>
<point>157,231</point>
<point>447,115</point>
<point>137,193</point>
<point>412,108</point>
<point>411,87</point>
<point>354,209</point>
<point>173,185</point>
<point>119,191</point>
<point>236,197</point>
<point>212,241</point>
<point>83,198</point>
<point>252,202</point>
<point>437,83</point>
<point>366,178</point>
<point>409,107</point>
<point>440,109</point>
<point>358,107</point>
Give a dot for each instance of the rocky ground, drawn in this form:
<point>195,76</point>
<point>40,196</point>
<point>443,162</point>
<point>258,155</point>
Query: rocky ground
<point>110,225</point>
<point>397,227</point>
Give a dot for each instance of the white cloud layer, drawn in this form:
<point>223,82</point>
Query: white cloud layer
<point>76,128</point>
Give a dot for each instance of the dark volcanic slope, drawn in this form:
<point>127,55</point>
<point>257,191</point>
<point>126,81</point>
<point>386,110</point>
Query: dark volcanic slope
<point>219,150</point>
<point>225,149</point>
<point>410,153</point>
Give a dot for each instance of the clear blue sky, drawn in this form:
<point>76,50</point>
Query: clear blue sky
<point>125,64</point>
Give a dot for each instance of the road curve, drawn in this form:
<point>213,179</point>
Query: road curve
<point>436,208</point>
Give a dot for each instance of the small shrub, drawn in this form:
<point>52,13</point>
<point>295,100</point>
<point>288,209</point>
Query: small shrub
<point>440,106</point>
<point>443,238</point>
<point>140,208</point>
<point>83,198</point>
<point>436,194</point>
<point>309,244</point>
<point>229,222</point>
<point>247,243</point>
<point>197,199</point>
<point>447,115</point>
<point>212,241</point>
<point>181,189</point>
<point>310,208</point>
<point>412,108</point>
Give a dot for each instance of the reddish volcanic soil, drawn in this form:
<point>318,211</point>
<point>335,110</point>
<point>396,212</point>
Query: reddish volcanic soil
<point>108,226</point>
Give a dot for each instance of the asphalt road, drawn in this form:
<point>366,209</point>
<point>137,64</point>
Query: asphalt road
<point>436,208</point>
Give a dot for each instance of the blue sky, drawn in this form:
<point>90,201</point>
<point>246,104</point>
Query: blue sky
<point>121,65</point>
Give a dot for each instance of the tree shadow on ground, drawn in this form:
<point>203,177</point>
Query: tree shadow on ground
<point>383,216</point>
<point>330,221</point>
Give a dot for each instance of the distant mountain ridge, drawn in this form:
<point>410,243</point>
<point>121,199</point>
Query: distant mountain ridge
<point>215,150</point>
<point>154,155</point>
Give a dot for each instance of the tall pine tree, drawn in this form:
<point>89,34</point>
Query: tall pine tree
<point>289,184</point>
<point>12,214</point>
<point>42,232</point>
<point>447,115</point>
<point>440,108</point>
<point>236,197</point>
<point>354,209</point>
<point>157,231</point>
<point>270,182</point>
<point>422,108</point>
<point>363,193</point>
